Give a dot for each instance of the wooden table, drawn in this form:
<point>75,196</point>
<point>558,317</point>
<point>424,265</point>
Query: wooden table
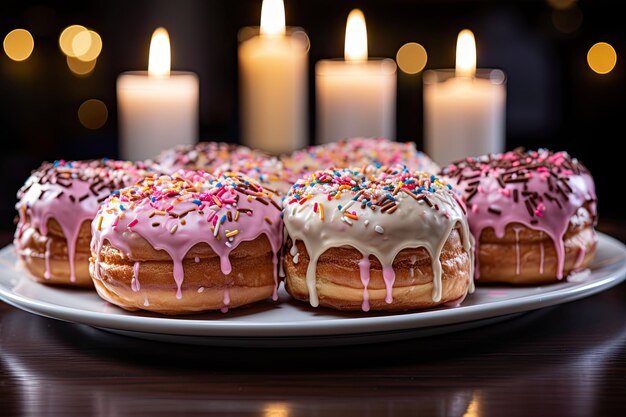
<point>565,360</point>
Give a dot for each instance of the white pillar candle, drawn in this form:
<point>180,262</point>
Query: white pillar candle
<point>464,111</point>
<point>273,64</point>
<point>355,96</point>
<point>157,109</point>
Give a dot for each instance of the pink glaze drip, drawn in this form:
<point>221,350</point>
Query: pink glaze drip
<point>46,273</point>
<point>389,275</point>
<point>68,192</point>
<point>495,201</point>
<point>275,263</point>
<point>541,258</point>
<point>134,284</point>
<point>364,268</point>
<point>71,252</point>
<point>69,215</point>
<point>225,265</point>
<point>174,195</point>
<point>226,301</point>
<point>516,230</point>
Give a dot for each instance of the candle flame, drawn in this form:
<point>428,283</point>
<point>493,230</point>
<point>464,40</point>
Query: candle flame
<point>466,54</point>
<point>273,17</point>
<point>160,59</point>
<point>356,37</point>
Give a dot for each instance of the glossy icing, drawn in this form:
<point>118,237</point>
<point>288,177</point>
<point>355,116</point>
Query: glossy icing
<point>176,212</point>
<point>377,211</point>
<point>542,190</point>
<point>70,193</point>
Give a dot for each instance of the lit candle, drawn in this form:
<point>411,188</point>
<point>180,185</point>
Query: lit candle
<point>273,83</point>
<point>464,109</point>
<point>356,96</point>
<point>158,108</point>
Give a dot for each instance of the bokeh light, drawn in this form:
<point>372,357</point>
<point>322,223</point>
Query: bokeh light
<point>411,58</point>
<point>78,42</point>
<point>87,45</point>
<point>79,67</point>
<point>18,44</point>
<point>66,39</point>
<point>602,58</point>
<point>81,43</point>
<point>93,114</point>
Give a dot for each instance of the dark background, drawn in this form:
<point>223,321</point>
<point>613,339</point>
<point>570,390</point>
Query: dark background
<point>554,99</point>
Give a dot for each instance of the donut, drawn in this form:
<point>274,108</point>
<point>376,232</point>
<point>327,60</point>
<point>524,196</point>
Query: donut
<point>187,242</point>
<point>532,214</point>
<point>351,152</point>
<point>376,239</point>
<point>56,206</point>
<point>218,157</point>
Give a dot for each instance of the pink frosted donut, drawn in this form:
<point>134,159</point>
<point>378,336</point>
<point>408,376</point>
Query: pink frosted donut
<point>56,206</point>
<point>532,214</point>
<point>187,242</point>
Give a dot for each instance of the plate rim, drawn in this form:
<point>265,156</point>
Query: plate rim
<point>298,328</point>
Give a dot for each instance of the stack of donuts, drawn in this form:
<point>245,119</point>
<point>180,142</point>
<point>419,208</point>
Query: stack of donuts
<point>360,224</point>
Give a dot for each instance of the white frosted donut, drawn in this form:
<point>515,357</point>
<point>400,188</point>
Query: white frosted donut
<point>376,238</point>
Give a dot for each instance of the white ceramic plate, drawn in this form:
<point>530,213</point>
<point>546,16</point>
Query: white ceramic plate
<point>291,323</point>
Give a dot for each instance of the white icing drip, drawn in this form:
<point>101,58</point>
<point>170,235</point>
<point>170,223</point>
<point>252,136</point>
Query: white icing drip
<point>412,225</point>
<point>364,267</point>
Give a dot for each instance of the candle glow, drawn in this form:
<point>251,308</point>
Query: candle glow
<point>356,96</point>
<point>356,37</point>
<point>464,108</point>
<point>273,18</point>
<point>273,82</point>
<point>466,54</point>
<point>158,108</point>
<point>159,61</point>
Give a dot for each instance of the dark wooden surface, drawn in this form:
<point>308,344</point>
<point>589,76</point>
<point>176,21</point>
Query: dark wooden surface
<point>568,360</point>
